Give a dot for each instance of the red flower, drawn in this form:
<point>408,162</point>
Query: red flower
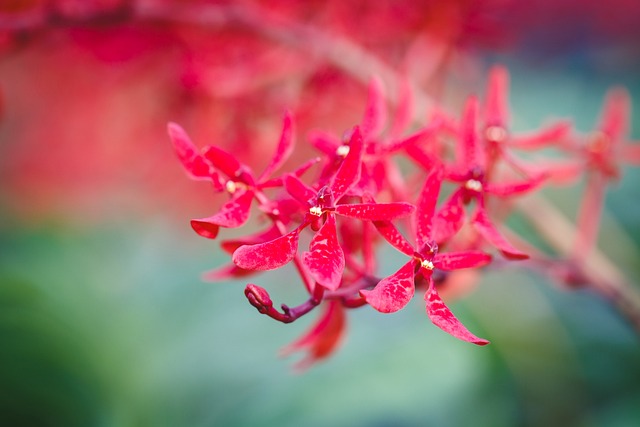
<point>604,150</point>
<point>239,182</point>
<point>473,176</point>
<point>394,292</point>
<point>325,259</point>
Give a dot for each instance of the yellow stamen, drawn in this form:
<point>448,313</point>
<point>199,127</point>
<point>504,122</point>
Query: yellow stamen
<point>342,151</point>
<point>316,210</point>
<point>231,187</point>
<point>427,264</point>
<point>473,185</point>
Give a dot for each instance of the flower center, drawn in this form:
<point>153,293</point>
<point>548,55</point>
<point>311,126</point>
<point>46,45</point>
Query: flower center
<point>316,210</point>
<point>342,150</point>
<point>495,133</point>
<point>473,185</point>
<point>599,141</point>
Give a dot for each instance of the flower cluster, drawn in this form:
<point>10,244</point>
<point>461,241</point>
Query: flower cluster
<point>443,208</point>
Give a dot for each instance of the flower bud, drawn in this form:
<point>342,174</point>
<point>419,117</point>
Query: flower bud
<point>259,298</point>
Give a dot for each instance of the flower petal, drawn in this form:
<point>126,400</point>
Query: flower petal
<point>226,272</point>
<point>233,214</point>
<point>485,227</point>
<point>323,337</point>
<point>427,206</point>
<point>497,109</point>
<point>376,211</point>
<point>393,236</point>
<point>444,319</point>
<point>269,255</point>
<point>553,134</point>
<point>615,114</point>
<point>449,218</point>
<point>283,151</point>
<point>349,172</point>
<point>230,245</point>
<point>392,293</point>
<point>194,163</point>
<point>458,260</point>
<point>299,190</point>
<point>325,259</point>
<point>223,161</point>
<point>505,189</point>
<point>375,115</point>
<point>473,154</point>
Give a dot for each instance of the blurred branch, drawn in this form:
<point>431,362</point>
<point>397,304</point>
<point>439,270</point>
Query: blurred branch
<point>599,273</point>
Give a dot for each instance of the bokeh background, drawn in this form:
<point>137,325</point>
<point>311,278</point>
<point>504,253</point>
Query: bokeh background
<point>104,318</point>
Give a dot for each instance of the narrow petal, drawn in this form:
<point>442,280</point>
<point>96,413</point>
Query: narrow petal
<point>449,218</point>
<point>194,163</point>
<point>393,236</point>
<point>485,227</point>
<point>497,109</point>
<point>404,112</point>
<point>505,189</point>
<point>223,161</point>
<point>322,339</point>
<point>283,151</point>
<point>444,319</point>
<point>376,211</point>
<point>630,154</point>
<point>375,115</point>
<point>269,255</point>
<point>325,259</point>
<point>299,190</point>
<point>231,245</point>
<point>226,272</point>
<point>392,293</point>
<point>349,172</point>
<point>427,206</point>
<point>615,114</point>
<point>554,134</point>
<point>324,142</point>
<point>473,154</point>
<point>589,215</point>
<point>232,214</point>
<point>458,260</point>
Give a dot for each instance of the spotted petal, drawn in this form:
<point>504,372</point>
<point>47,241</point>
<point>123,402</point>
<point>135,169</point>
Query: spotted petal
<point>233,214</point>
<point>223,161</point>
<point>449,218</point>
<point>393,236</point>
<point>376,211</point>
<point>194,163</point>
<point>392,293</point>
<point>285,147</point>
<point>427,206</point>
<point>444,319</point>
<point>325,259</point>
<point>268,255</point>
<point>349,172</point>
<point>299,190</point>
